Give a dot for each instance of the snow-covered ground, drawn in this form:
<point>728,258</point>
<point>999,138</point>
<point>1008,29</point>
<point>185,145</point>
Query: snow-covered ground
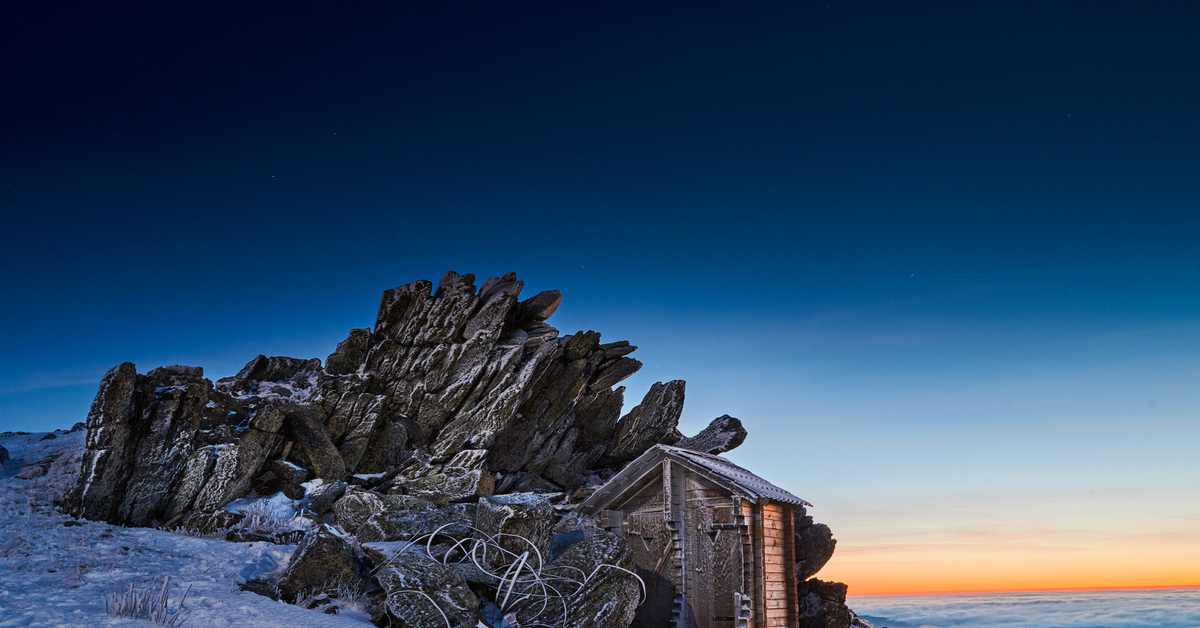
<point>53,574</point>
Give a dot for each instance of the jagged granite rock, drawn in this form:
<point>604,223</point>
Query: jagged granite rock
<point>3,455</point>
<point>445,372</point>
<point>276,378</point>
<point>322,562</point>
<point>236,465</point>
<point>451,485</point>
<point>649,423</point>
<point>814,545</point>
<point>723,434</point>
<point>423,593</point>
<point>141,432</point>
<point>521,522</point>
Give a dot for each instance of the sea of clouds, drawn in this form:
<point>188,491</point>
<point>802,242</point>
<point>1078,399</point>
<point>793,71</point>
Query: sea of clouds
<point>1093,609</point>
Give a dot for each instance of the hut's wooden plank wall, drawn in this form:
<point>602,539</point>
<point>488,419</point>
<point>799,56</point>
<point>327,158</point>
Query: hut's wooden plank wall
<point>778,602</point>
<point>703,548</point>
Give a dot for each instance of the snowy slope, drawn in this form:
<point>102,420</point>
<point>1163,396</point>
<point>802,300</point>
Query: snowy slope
<point>55,575</point>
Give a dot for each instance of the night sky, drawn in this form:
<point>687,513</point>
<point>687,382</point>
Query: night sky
<point>943,259</point>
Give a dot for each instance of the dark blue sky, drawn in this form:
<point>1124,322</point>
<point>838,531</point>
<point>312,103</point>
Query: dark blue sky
<point>837,219</point>
<point>930,252</point>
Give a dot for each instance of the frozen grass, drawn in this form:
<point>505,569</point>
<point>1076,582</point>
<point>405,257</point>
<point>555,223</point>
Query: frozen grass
<point>263,516</point>
<point>349,599</point>
<point>138,604</point>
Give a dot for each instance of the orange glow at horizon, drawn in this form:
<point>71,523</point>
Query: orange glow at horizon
<point>934,570</point>
<point>987,544</point>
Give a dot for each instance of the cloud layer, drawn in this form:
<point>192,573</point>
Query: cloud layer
<point>1095,609</point>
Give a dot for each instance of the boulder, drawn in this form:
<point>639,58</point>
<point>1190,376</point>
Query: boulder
<point>822,604</point>
<point>3,455</point>
<point>322,562</point>
<point>453,485</point>
<point>355,507</point>
<point>423,593</point>
<point>321,499</point>
<point>456,521</point>
<point>609,597</point>
<point>288,472</point>
<point>518,523</point>
<point>723,434</point>
<point>814,545</point>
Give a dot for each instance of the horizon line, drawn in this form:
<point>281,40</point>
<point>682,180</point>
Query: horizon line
<point>1169,587</point>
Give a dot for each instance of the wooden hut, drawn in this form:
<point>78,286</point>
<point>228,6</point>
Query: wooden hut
<point>714,542</point>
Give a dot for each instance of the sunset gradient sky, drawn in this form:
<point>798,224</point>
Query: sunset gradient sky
<point>940,257</point>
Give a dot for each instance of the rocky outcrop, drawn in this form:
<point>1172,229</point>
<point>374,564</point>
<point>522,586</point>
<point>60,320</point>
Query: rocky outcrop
<point>142,431</point>
<point>471,384</point>
<point>651,422</point>
<point>611,594</point>
<point>456,421</point>
<point>3,455</point>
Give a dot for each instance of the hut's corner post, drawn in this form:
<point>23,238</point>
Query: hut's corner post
<point>673,502</point>
<point>789,565</point>
<point>760,584</point>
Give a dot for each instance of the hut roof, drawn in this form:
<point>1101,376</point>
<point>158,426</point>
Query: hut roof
<point>715,468</point>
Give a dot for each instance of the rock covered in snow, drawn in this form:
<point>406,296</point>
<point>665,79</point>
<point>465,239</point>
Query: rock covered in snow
<point>611,593</point>
<point>520,522</point>
<point>321,499</point>
<point>723,434</point>
<point>141,433</point>
<point>323,561</point>
<point>423,593</point>
<point>456,521</point>
<point>651,422</point>
<point>355,507</point>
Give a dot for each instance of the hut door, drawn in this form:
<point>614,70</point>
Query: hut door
<point>714,546</point>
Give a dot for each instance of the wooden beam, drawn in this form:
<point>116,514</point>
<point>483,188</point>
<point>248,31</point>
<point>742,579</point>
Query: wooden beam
<point>789,557</point>
<point>760,615</point>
